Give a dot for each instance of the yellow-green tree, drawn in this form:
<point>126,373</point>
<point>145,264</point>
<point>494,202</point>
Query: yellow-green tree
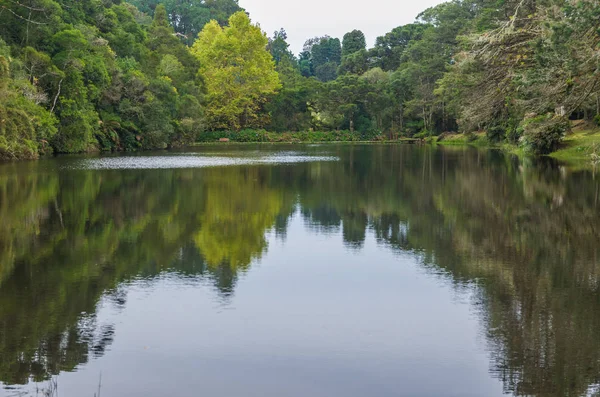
<point>238,71</point>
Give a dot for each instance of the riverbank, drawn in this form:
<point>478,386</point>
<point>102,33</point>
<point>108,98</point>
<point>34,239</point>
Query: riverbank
<point>297,137</point>
<point>262,136</point>
<point>580,147</point>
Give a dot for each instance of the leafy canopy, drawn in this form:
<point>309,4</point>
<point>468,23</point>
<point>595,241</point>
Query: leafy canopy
<point>238,71</point>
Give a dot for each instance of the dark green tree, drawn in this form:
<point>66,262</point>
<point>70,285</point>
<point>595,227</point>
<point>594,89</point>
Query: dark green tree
<point>353,42</point>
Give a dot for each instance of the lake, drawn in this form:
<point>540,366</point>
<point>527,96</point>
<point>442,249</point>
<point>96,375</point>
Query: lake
<point>318,270</point>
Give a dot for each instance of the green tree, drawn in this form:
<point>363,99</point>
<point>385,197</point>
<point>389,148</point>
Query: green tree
<point>529,71</point>
<point>353,42</point>
<point>25,126</point>
<point>355,63</point>
<point>279,47</point>
<point>289,109</point>
<point>388,50</point>
<point>321,57</point>
<point>238,71</point>
<point>189,17</point>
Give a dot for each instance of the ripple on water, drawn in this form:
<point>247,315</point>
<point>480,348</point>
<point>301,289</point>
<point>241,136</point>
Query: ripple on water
<point>190,161</point>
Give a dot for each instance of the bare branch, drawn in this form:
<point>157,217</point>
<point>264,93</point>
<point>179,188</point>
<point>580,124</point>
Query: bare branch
<point>20,17</point>
<point>28,7</point>
<point>56,97</point>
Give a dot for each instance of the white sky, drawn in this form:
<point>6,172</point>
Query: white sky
<point>303,19</point>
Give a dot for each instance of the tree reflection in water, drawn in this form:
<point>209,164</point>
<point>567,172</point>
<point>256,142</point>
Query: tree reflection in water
<point>523,233</point>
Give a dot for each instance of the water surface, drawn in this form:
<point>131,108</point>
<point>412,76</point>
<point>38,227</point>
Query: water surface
<point>321,270</point>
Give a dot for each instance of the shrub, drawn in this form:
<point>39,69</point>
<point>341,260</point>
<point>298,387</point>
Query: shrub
<point>542,134</point>
<point>471,137</point>
<point>496,133</point>
<point>372,134</point>
<point>188,130</point>
<point>513,134</point>
<point>249,135</point>
<point>423,134</point>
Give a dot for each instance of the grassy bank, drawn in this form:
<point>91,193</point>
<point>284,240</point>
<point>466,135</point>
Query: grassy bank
<point>580,147</point>
<point>477,139</point>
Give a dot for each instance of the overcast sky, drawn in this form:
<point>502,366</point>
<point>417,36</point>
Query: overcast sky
<point>303,19</point>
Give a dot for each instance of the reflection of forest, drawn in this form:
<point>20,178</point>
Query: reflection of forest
<point>526,235</point>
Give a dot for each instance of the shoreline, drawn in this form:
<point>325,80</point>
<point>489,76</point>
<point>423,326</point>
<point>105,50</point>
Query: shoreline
<point>404,141</point>
<point>579,148</point>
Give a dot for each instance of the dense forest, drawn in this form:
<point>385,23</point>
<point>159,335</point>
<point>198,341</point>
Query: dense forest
<point>79,76</point>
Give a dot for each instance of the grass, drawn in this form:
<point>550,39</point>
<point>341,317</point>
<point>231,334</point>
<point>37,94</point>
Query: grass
<point>580,147</point>
<point>476,139</point>
<point>480,140</point>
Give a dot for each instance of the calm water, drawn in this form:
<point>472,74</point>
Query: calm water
<point>300,271</point>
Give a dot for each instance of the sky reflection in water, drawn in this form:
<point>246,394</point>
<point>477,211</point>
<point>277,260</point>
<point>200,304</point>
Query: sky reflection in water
<point>325,270</point>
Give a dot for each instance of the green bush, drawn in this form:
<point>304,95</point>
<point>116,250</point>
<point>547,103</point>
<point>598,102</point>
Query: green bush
<point>25,127</point>
<point>513,134</point>
<point>543,134</point>
<point>496,133</point>
<point>471,137</point>
<point>188,130</point>
<point>422,135</point>
<point>372,134</point>
<point>249,135</point>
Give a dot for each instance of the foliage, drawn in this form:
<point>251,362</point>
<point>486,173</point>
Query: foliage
<point>542,134</point>
<point>536,61</point>
<point>257,136</point>
<point>579,148</point>
<point>238,71</point>
<point>355,63</point>
<point>105,75</point>
<point>279,48</point>
<point>94,75</point>
<point>189,17</point>
<point>389,49</point>
<point>25,127</point>
<point>324,55</point>
<point>353,42</point>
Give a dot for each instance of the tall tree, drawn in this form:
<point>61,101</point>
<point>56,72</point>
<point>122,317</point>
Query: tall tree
<point>279,47</point>
<point>353,42</point>
<point>189,17</point>
<point>388,50</point>
<point>356,63</point>
<point>326,56</point>
<point>238,71</point>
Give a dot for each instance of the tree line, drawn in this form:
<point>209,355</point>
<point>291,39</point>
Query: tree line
<point>109,75</point>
